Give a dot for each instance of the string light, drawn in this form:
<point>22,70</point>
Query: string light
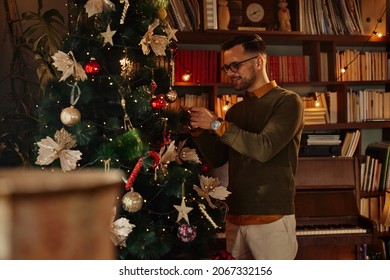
<point>226,106</point>
<point>186,76</point>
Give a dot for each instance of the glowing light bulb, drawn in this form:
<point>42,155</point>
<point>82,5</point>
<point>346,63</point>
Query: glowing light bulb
<point>226,106</point>
<point>186,76</point>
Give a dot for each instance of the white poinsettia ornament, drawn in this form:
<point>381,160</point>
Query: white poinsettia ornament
<point>210,186</point>
<point>93,7</point>
<point>50,150</point>
<point>167,155</point>
<point>120,229</point>
<point>186,154</point>
<point>158,43</point>
<point>67,64</point>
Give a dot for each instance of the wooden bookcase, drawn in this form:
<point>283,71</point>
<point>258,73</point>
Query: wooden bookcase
<point>312,46</point>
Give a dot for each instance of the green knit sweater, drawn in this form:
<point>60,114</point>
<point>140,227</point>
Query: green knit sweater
<point>261,145</point>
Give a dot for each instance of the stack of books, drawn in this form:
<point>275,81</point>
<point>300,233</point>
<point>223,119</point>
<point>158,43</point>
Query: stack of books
<point>321,145</point>
<point>315,109</point>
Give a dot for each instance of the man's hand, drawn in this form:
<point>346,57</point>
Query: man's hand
<point>201,117</point>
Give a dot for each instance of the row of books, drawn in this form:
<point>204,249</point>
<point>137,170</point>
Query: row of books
<point>184,15</point>
<point>331,17</point>
<point>288,68</point>
<point>202,64</point>
<point>362,66</point>
<point>368,105</point>
<point>283,68</point>
<point>224,102</point>
<point>189,100</point>
<point>376,167</point>
<point>372,207</point>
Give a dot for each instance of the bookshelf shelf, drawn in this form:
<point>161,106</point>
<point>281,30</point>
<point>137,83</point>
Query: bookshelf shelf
<point>272,37</point>
<point>303,84</point>
<point>348,126</point>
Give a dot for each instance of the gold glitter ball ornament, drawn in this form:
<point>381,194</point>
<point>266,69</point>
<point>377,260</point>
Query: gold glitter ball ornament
<point>171,96</point>
<point>70,116</point>
<point>162,13</point>
<point>132,202</point>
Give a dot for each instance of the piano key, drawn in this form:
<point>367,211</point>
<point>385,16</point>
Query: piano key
<point>329,229</point>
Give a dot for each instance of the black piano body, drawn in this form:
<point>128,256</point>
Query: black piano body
<point>329,225</point>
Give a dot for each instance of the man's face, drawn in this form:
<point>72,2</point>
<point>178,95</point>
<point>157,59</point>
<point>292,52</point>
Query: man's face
<point>242,70</point>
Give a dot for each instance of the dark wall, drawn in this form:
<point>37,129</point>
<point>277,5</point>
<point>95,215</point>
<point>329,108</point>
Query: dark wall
<point>17,7</point>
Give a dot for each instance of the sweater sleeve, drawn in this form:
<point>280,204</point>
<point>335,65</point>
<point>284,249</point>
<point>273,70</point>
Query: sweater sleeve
<point>212,149</point>
<point>286,121</point>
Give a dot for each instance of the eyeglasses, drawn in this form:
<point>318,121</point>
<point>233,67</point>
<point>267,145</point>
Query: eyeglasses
<point>234,66</point>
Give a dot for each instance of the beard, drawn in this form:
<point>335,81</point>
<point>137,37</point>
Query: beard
<point>243,83</point>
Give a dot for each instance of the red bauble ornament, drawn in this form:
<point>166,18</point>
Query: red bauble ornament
<point>186,233</point>
<point>205,168</point>
<point>92,67</point>
<point>159,102</point>
<point>223,255</point>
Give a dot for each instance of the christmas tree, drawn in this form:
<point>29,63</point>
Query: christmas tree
<point>107,106</point>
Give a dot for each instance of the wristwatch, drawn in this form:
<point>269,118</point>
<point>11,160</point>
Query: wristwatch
<point>214,125</point>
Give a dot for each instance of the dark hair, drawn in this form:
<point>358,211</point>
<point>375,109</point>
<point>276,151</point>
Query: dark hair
<point>250,42</point>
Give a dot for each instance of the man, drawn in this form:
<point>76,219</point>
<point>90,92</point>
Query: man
<point>259,138</point>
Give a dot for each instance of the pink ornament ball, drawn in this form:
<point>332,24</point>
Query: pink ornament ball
<point>186,233</point>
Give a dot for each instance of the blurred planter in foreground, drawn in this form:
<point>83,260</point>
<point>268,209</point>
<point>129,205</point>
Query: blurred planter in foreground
<point>54,215</point>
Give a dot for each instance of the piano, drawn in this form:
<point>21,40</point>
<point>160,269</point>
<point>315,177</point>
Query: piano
<point>328,222</point>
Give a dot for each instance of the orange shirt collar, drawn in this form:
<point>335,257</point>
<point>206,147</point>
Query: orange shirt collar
<point>261,91</point>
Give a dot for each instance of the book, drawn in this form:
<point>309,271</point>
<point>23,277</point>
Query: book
<point>210,18</point>
<point>354,143</point>
<point>332,105</point>
<point>346,143</point>
<point>380,151</point>
<point>385,215</point>
<point>251,28</point>
<point>365,174</point>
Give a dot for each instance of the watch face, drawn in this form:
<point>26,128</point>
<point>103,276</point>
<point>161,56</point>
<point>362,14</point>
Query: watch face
<point>255,12</point>
<point>215,125</point>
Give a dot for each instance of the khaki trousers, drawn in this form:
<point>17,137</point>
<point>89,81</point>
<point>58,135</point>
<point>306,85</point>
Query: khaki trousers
<point>273,241</point>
